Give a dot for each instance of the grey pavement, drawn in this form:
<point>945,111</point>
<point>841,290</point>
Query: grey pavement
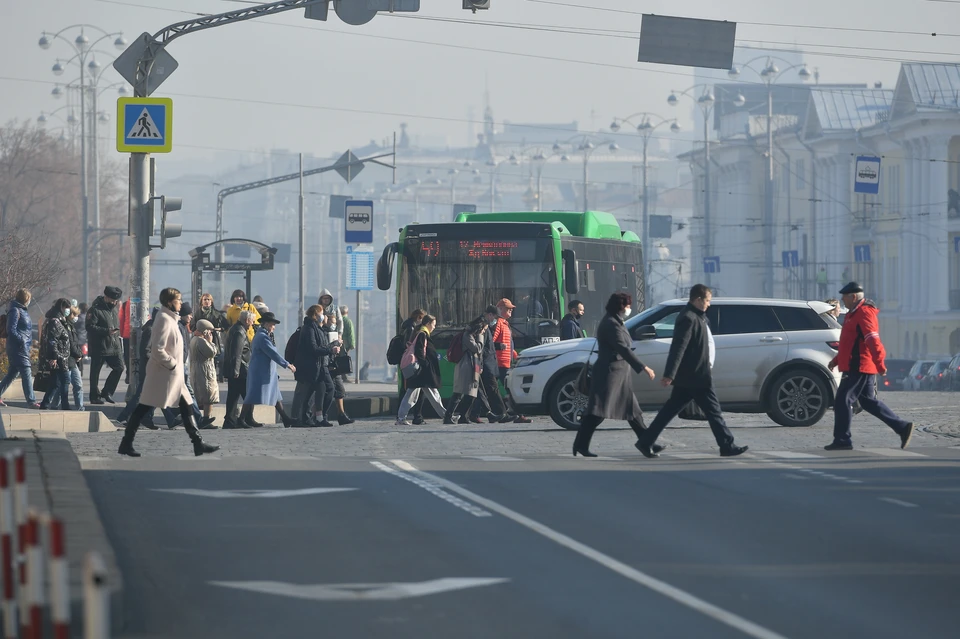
<point>786,541</point>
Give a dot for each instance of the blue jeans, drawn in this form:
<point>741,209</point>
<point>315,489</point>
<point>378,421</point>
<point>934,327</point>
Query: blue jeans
<point>60,388</point>
<point>76,380</point>
<point>26,379</point>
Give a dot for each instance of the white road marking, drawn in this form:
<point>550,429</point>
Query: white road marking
<point>229,494</point>
<point>197,457</point>
<point>598,457</point>
<point>891,500</point>
<point>680,596</point>
<point>793,476</point>
<point>788,454</point>
<point>688,455</point>
<point>294,457</point>
<point>432,488</point>
<point>361,592</point>
<point>494,458</point>
<point>892,452</point>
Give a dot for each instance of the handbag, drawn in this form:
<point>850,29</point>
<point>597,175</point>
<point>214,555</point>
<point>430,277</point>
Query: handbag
<point>584,379</point>
<point>692,411</point>
<point>43,380</point>
<point>342,365</point>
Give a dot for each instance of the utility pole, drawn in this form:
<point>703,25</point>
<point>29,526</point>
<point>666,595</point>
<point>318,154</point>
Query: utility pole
<point>300,249</point>
<point>768,232</point>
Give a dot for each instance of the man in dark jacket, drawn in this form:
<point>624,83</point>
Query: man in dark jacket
<point>489,392</point>
<point>570,324</point>
<point>688,370</point>
<point>143,354</point>
<point>313,373</point>
<point>103,332</point>
<point>236,358</point>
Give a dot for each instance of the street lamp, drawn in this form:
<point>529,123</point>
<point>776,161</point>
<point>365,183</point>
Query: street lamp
<point>769,74</point>
<point>646,129</point>
<point>85,56</point>
<point>587,147</point>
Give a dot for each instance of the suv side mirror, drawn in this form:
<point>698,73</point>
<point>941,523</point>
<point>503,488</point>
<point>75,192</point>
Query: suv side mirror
<point>644,332</point>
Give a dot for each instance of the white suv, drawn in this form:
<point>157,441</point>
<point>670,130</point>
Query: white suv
<point>772,357</point>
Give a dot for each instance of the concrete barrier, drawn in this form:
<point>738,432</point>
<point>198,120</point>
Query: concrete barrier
<point>67,421</point>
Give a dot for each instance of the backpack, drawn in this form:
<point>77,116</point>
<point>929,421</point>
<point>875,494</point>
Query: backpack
<point>455,352</point>
<point>409,365</point>
<point>395,350</point>
<point>3,326</point>
<point>290,350</point>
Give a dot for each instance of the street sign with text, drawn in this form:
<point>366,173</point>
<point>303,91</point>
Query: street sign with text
<point>711,264</point>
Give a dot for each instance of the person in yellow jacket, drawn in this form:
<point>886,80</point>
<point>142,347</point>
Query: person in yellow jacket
<point>239,304</point>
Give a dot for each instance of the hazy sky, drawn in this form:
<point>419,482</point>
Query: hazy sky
<point>287,82</point>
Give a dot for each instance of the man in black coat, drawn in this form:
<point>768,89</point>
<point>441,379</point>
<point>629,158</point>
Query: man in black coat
<point>688,370</point>
<point>103,332</point>
<point>236,359</point>
<point>313,373</point>
<point>488,395</point>
<point>570,324</point>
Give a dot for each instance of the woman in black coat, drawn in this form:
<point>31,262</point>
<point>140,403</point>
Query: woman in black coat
<point>611,389</point>
<point>427,379</point>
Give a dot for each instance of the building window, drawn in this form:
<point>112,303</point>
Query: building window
<point>801,172</point>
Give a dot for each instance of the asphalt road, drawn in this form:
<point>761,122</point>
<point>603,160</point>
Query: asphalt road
<point>787,541</point>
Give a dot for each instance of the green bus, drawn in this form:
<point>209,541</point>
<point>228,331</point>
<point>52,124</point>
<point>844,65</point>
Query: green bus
<point>538,260</point>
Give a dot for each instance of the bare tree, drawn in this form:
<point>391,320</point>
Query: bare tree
<point>28,261</point>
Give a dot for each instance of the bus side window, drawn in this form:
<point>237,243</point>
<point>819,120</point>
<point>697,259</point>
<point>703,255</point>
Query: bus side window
<point>588,280</point>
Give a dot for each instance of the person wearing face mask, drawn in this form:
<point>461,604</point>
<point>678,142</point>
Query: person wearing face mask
<point>488,395</point>
<point>74,362</point>
<point>570,324</point>
<point>55,351</point>
<point>103,331</point>
<point>611,389</point>
<point>19,340</point>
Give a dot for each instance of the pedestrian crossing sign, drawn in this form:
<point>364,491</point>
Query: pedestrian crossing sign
<point>144,125</point>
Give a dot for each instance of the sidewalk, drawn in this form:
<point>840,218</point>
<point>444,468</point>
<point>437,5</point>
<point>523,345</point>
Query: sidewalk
<point>366,399</point>
<point>55,485</point>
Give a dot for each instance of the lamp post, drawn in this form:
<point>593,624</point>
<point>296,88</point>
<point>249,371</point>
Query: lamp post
<point>585,144</point>
<point>769,74</point>
<point>70,122</point>
<point>645,128</point>
<point>85,56</point>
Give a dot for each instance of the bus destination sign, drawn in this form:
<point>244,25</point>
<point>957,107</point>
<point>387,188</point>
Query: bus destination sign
<point>478,250</point>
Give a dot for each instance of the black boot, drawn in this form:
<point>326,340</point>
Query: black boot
<point>344,419</point>
<point>448,417</point>
<point>200,447</point>
<point>126,444</point>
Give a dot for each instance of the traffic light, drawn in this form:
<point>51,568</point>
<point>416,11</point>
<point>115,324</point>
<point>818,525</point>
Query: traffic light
<point>473,5</point>
<point>164,205</point>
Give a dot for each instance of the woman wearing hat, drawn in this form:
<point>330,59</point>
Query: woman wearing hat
<point>203,368</point>
<point>263,387</point>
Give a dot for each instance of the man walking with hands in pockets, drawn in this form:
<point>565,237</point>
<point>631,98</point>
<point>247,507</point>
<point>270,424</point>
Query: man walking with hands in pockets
<point>688,370</point>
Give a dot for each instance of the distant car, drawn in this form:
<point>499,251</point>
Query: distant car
<point>912,380</point>
<point>897,369</point>
<point>951,376</point>
<point>771,357</point>
<point>933,379</point>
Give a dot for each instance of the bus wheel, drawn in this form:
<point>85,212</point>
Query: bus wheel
<point>565,402</point>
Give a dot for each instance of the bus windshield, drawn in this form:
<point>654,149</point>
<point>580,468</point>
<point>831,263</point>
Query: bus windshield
<point>456,279</point>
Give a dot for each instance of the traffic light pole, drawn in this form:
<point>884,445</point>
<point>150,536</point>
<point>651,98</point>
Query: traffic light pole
<point>140,283</point>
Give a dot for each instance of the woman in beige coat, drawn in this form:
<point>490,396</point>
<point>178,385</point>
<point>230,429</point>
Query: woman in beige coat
<point>165,385</point>
<point>203,367</point>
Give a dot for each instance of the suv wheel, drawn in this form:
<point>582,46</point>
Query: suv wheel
<point>797,398</point>
<point>565,402</point>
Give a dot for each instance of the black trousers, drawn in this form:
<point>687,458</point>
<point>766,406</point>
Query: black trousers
<point>589,423</point>
<point>126,358</point>
<point>488,395</point>
<point>862,387</point>
<point>706,399</point>
<point>236,388</point>
<point>116,371</point>
<point>141,411</point>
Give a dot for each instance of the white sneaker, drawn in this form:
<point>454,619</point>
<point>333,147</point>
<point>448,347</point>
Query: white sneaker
<point>402,422</point>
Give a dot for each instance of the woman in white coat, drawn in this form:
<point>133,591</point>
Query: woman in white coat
<point>165,385</point>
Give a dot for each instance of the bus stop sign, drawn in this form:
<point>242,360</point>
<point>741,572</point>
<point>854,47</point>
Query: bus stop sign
<point>358,221</point>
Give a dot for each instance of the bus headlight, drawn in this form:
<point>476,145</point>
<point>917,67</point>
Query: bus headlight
<point>530,361</point>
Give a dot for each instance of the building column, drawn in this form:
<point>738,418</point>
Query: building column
<point>938,256</point>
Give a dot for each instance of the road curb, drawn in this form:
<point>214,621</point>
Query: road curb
<point>56,484</point>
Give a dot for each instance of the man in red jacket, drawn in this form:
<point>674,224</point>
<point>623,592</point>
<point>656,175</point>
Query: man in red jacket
<point>860,358</point>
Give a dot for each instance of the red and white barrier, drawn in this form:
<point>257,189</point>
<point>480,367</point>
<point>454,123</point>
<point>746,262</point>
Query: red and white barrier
<point>9,603</point>
<point>96,598</point>
<point>59,581</point>
<point>35,599</point>
<point>20,516</point>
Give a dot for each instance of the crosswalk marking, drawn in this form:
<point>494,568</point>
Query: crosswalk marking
<point>788,454</point>
<point>495,458</point>
<point>892,452</point>
<point>598,457</point>
<point>294,457</point>
<point>198,458</point>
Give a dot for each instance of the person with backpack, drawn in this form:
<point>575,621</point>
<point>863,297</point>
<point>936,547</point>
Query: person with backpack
<point>408,330</point>
<point>421,369</point>
<point>466,377</point>
<point>311,355</point>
